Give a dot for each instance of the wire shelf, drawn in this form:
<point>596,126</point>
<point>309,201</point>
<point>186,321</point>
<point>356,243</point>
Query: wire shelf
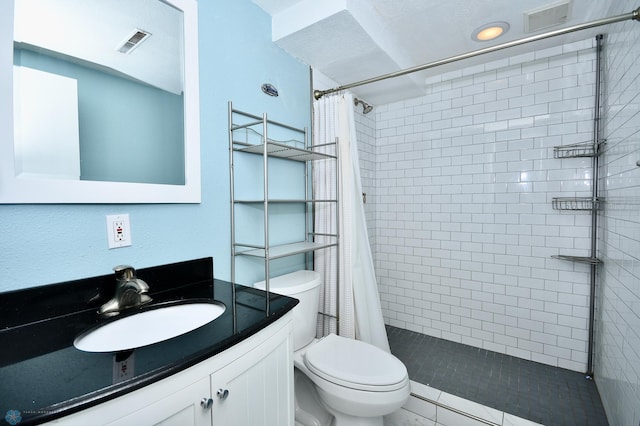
<point>579,259</point>
<point>576,203</point>
<point>251,141</point>
<point>582,149</point>
<point>280,251</point>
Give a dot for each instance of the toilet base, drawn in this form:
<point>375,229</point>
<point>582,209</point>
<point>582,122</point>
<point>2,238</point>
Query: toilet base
<point>340,419</point>
<point>335,405</point>
<point>309,411</point>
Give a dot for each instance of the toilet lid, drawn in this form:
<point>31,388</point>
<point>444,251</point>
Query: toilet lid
<point>355,364</point>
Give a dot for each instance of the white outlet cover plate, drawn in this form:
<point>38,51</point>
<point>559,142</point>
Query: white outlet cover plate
<point>123,238</point>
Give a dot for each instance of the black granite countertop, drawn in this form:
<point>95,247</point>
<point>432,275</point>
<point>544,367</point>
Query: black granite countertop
<point>43,376</point>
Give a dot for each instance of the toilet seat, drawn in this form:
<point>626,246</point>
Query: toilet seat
<point>355,364</point>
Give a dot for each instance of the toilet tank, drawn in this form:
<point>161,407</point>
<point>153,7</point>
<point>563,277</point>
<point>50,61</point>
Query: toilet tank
<point>304,286</point>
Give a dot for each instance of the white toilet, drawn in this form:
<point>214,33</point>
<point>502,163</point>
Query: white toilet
<point>356,382</point>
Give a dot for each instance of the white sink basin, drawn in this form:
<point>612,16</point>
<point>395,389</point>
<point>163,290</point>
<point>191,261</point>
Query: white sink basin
<point>148,327</point>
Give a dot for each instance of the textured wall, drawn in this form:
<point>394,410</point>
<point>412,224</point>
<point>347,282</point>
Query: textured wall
<point>464,224</point>
<point>617,357</point>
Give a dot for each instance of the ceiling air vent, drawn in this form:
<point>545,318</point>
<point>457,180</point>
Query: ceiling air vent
<point>133,41</point>
<point>547,16</point>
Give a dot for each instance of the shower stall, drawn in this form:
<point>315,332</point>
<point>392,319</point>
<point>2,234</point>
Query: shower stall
<point>464,206</point>
<point>460,184</point>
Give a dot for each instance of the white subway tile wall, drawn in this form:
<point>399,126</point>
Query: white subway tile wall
<point>464,227</point>
<point>459,184</point>
<point>617,355</point>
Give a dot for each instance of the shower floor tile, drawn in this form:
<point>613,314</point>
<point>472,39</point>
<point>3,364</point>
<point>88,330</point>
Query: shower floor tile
<point>527,389</point>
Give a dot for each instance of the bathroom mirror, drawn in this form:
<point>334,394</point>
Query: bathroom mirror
<point>123,87</point>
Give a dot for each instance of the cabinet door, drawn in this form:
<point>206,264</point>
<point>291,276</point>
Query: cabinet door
<point>181,408</point>
<point>257,388</point>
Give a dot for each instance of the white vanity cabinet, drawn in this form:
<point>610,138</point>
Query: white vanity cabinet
<point>256,389</point>
<point>249,384</point>
<point>180,407</point>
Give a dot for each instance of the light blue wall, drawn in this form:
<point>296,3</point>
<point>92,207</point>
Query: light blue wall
<point>42,244</point>
<point>129,131</point>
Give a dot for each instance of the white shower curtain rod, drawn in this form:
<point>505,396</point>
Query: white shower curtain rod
<point>635,15</point>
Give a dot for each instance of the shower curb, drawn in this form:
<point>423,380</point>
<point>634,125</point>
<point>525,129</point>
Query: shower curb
<point>449,410</point>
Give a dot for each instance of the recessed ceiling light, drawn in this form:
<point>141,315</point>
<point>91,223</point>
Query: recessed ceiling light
<point>490,31</point>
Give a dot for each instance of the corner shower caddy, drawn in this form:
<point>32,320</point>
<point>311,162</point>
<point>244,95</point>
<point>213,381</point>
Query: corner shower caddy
<point>591,204</point>
<point>577,150</point>
<point>248,135</point>
<point>591,149</point>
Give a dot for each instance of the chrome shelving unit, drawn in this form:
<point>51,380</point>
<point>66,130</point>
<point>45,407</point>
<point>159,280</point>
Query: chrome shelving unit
<point>249,135</point>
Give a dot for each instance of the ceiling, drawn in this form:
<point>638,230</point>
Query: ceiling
<point>91,31</point>
<point>354,40</point>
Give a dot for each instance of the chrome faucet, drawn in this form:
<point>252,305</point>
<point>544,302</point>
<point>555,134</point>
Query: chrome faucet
<point>130,292</point>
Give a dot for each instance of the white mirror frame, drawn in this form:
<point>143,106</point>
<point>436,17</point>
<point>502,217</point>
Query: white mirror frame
<point>14,190</point>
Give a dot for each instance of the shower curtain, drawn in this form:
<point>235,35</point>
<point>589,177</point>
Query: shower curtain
<point>358,299</point>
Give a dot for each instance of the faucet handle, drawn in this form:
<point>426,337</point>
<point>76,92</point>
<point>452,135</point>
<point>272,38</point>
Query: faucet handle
<point>124,272</point>
<point>142,285</point>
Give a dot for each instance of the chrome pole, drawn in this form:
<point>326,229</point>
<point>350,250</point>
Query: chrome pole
<point>265,189</point>
<point>594,213</point>
<point>232,217</point>
<point>635,15</point>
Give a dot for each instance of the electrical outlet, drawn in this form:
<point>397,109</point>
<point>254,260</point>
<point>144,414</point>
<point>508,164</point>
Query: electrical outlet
<point>123,366</point>
<point>118,230</point>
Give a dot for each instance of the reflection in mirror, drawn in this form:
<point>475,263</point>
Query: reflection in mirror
<point>104,91</point>
<point>102,82</point>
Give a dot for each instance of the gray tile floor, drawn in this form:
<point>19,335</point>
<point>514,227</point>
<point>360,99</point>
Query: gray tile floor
<point>538,392</point>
